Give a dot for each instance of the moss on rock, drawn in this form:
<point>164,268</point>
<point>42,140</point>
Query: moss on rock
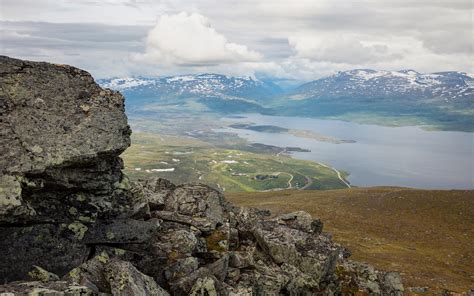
<point>217,241</point>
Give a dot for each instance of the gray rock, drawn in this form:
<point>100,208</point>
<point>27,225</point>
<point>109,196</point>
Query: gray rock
<point>91,274</point>
<point>203,224</point>
<point>56,288</point>
<point>56,116</point>
<point>419,290</point>
<point>204,286</point>
<point>233,275</point>
<point>125,279</point>
<point>197,200</point>
<point>366,278</point>
<point>300,220</point>
<point>121,232</point>
<point>391,284</point>
<point>175,244</point>
<point>40,274</point>
<point>55,248</point>
<point>220,267</point>
<point>60,135</point>
<point>316,256</point>
<point>242,259</point>
<point>12,206</point>
<point>181,268</point>
<point>199,281</point>
<point>60,140</point>
<point>155,190</point>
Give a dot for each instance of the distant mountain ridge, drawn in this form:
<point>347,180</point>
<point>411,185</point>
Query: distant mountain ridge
<point>392,84</point>
<point>443,100</point>
<point>367,83</point>
<point>196,85</point>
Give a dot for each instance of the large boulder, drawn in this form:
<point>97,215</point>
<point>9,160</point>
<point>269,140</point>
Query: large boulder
<point>61,135</point>
<point>60,140</point>
<point>55,116</point>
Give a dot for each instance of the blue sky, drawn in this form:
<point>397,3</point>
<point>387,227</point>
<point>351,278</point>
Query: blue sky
<point>288,39</point>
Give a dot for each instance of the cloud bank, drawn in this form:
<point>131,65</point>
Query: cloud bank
<point>287,39</point>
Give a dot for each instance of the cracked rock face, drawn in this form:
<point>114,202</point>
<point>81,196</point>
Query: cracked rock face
<point>72,224</point>
<point>56,116</point>
<point>60,171</point>
<point>61,135</point>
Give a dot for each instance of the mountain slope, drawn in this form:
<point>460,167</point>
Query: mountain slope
<point>443,100</point>
<point>196,85</point>
<point>406,84</point>
<point>216,92</point>
<point>425,233</point>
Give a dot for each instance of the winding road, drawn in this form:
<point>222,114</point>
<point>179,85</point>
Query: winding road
<point>309,179</point>
<point>279,189</point>
<point>338,174</point>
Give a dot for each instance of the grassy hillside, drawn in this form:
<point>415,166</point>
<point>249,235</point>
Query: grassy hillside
<point>184,160</point>
<point>427,235</point>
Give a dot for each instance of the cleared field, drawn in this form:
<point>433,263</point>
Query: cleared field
<point>427,235</point>
<point>184,160</point>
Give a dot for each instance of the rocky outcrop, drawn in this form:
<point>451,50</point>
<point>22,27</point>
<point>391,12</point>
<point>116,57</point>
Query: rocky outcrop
<point>61,135</point>
<point>72,224</point>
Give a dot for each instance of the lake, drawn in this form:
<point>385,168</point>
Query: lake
<point>390,156</point>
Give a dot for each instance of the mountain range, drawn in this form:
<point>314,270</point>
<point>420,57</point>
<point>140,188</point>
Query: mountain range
<point>196,85</point>
<point>368,83</point>
<point>442,99</point>
<point>359,82</point>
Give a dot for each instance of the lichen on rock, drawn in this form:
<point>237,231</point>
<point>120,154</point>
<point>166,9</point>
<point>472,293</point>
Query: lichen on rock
<point>40,274</point>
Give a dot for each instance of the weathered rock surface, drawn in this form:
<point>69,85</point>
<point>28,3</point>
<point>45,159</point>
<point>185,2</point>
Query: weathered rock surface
<point>72,224</point>
<point>57,116</point>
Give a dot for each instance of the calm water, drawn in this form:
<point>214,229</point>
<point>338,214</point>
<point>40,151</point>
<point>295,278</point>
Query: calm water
<point>398,156</point>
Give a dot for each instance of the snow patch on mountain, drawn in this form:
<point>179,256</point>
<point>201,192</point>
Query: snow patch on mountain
<point>200,84</point>
<point>124,83</point>
<point>379,84</point>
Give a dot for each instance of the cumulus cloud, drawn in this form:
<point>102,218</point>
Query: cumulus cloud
<point>189,39</point>
<point>340,48</point>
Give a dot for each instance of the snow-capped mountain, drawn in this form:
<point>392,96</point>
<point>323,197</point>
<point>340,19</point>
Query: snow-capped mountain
<point>195,85</point>
<point>407,84</point>
<point>443,99</point>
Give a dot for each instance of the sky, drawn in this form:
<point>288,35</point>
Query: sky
<point>294,40</point>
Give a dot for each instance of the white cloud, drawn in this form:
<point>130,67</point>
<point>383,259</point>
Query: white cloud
<point>340,48</point>
<point>402,53</point>
<point>301,39</point>
<point>189,39</point>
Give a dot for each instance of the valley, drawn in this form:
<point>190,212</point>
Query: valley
<point>187,160</point>
<point>376,127</point>
<point>373,155</point>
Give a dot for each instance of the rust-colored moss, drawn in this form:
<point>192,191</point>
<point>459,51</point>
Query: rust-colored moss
<point>217,241</point>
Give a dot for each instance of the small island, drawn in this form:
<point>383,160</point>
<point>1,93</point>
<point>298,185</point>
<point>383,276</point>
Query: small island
<point>294,132</point>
